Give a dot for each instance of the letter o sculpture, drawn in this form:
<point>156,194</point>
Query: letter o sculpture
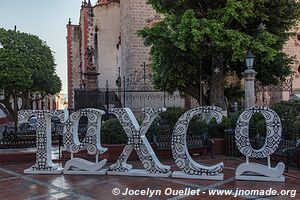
<point>273,135</point>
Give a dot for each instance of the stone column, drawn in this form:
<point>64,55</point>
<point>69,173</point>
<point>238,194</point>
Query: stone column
<point>91,84</point>
<point>249,76</point>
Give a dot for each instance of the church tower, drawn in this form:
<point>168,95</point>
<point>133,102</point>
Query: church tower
<point>87,48</point>
<point>134,16</point>
<point>106,36</point>
<point>92,47</point>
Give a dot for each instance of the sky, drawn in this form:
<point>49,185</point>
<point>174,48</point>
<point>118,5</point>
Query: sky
<point>46,19</point>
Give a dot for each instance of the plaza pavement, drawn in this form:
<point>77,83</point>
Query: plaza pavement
<point>15,185</point>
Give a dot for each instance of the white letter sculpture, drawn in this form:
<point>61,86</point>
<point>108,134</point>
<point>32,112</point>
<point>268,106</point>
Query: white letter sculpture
<point>91,143</point>
<point>189,168</point>
<point>44,164</point>
<point>138,141</point>
<point>259,172</point>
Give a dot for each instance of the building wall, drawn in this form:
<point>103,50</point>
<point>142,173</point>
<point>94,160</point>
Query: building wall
<point>134,15</point>
<point>125,19</point>
<point>83,24</point>
<point>74,60</point>
<point>107,19</point>
<point>292,48</point>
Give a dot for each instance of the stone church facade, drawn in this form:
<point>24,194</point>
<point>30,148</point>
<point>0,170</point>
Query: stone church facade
<point>105,51</point>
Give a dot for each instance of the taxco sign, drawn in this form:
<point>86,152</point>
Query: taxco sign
<point>138,142</point>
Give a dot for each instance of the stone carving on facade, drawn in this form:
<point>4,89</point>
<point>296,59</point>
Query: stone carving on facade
<point>106,2</point>
<point>90,58</point>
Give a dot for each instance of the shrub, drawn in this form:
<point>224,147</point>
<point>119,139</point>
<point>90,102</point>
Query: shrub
<point>217,130</point>
<point>233,118</point>
<point>288,112</point>
<point>112,132</point>
<point>171,116</point>
<point>197,126</point>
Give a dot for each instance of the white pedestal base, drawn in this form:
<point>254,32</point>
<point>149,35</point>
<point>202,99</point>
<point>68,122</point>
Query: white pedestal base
<point>259,172</point>
<point>138,172</point>
<point>31,171</point>
<point>81,166</point>
<point>260,178</point>
<point>82,172</point>
<point>180,174</point>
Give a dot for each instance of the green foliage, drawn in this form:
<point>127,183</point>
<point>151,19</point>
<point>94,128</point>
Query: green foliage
<point>196,31</point>
<point>234,118</point>
<point>197,125</point>
<point>226,122</point>
<point>26,66</point>
<point>288,112</point>
<point>257,125</point>
<point>153,130</point>
<point>171,116</point>
<point>217,130</point>
<point>112,132</point>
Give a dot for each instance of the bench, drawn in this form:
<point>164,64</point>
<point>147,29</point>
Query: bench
<point>164,142</point>
<point>26,136</point>
<point>24,132</point>
<point>287,151</point>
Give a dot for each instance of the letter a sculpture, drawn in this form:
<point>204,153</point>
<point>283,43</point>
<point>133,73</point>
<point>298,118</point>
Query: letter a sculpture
<point>91,143</point>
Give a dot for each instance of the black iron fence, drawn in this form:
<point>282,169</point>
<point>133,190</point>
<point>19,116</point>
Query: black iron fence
<point>231,150</point>
<point>134,99</point>
<point>26,137</point>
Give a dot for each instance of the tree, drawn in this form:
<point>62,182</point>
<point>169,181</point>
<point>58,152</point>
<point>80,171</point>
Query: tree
<point>26,67</point>
<point>209,39</point>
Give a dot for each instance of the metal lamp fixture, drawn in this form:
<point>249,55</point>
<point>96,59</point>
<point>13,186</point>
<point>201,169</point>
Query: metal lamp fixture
<point>249,60</point>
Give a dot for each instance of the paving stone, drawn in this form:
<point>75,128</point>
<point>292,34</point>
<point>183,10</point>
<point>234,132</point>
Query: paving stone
<point>14,184</point>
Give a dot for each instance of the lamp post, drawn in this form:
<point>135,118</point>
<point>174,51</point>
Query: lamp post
<point>249,77</point>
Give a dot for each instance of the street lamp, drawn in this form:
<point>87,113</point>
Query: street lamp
<point>249,77</point>
<point>249,60</point>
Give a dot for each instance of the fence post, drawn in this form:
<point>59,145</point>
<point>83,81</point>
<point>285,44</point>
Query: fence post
<point>107,99</point>
<point>124,92</point>
<point>164,99</point>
